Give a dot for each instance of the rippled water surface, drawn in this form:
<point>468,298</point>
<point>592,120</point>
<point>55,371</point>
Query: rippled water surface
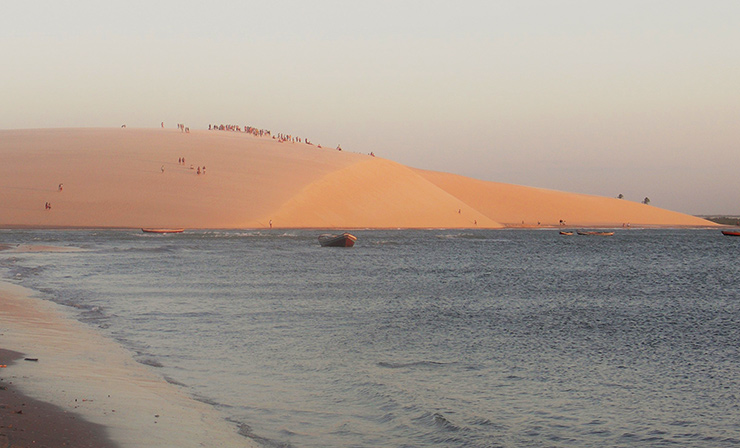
<point>422,338</point>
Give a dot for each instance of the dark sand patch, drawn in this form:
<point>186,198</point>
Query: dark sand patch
<point>26,422</point>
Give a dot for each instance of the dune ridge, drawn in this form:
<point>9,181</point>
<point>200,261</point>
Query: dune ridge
<point>131,178</point>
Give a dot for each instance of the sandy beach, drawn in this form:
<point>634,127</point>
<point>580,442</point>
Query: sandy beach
<point>30,422</point>
<point>132,178</point>
<point>90,386</point>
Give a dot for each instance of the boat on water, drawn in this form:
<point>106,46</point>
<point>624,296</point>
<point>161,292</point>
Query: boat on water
<point>342,240</point>
<point>731,232</point>
<point>566,232</point>
<point>150,230</point>
<point>594,233</point>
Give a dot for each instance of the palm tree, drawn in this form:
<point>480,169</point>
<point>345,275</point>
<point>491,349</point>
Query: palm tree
<point>621,196</point>
<point>646,201</point>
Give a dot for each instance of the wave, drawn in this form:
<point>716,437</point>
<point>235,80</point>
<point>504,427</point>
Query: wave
<point>438,420</point>
<point>150,362</point>
<point>246,431</point>
<point>386,243</point>
<point>171,380</point>
<point>250,234</point>
<point>403,365</point>
<point>86,313</point>
<point>468,236</point>
<point>155,250</point>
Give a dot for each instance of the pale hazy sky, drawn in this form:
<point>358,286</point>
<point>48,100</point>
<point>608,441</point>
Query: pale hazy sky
<point>600,97</point>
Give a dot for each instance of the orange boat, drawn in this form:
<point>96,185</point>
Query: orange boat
<point>731,232</point>
<point>343,240</point>
<point>145,230</point>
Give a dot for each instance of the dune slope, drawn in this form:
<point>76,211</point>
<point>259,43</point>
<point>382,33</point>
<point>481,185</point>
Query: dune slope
<point>378,193</point>
<point>515,205</point>
<point>130,178</point>
<point>114,177</point>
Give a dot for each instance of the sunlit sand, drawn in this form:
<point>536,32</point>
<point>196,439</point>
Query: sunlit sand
<point>133,178</point>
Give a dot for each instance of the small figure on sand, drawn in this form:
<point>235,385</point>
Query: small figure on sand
<point>61,186</point>
<point>199,171</point>
<point>162,168</point>
<point>270,220</point>
<point>48,206</point>
<point>204,169</point>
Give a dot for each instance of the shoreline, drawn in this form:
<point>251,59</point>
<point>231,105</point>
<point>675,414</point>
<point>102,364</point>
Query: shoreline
<point>401,228</point>
<point>27,421</point>
<point>84,376</point>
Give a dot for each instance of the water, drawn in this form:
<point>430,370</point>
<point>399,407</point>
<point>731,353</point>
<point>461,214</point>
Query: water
<point>422,338</point>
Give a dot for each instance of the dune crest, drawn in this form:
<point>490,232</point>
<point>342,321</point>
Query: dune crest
<point>132,178</point>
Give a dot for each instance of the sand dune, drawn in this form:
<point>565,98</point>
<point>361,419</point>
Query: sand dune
<point>114,178</point>
<point>377,193</point>
<point>515,205</point>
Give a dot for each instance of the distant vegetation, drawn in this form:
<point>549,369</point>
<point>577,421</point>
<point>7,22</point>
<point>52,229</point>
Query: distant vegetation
<point>725,220</point>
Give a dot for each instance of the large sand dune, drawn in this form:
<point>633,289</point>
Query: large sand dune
<point>114,178</point>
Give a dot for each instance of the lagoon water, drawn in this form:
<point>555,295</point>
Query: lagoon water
<point>434,338</point>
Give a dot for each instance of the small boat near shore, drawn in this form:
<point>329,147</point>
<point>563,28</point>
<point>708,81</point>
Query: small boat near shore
<point>731,232</point>
<point>151,230</point>
<point>566,232</point>
<point>594,233</point>
<point>342,240</point>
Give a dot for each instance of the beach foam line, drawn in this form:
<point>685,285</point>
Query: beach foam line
<point>83,372</point>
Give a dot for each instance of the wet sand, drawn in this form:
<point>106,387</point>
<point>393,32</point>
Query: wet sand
<point>26,422</point>
<point>82,376</point>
